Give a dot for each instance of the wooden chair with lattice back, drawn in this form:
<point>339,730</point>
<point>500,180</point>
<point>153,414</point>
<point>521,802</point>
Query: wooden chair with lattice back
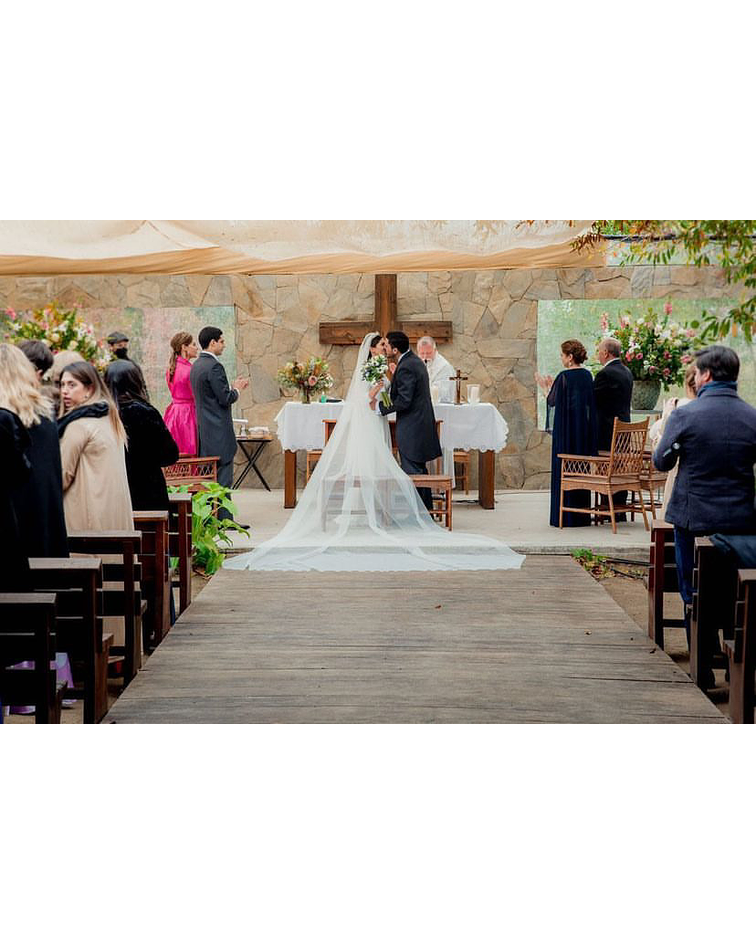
<point>620,471</point>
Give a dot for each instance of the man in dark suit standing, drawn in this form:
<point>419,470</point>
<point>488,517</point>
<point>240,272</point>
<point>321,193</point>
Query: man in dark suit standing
<point>416,436</point>
<point>213,398</point>
<point>714,441</point>
<point>613,390</point>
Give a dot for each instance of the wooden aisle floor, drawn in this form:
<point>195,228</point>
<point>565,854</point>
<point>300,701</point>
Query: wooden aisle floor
<point>543,644</point>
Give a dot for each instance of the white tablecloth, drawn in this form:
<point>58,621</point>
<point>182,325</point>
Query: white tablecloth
<point>464,427</point>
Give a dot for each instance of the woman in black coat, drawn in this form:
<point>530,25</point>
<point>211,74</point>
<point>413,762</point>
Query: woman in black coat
<point>150,444</point>
<point>574,428</point>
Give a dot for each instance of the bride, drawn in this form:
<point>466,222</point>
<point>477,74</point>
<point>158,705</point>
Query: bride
<point>361,512</point>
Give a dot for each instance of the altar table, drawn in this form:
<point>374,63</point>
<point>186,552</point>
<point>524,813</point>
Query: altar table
<point>465,427</point>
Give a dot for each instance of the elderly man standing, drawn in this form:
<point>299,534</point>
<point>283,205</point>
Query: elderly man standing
<point>613,390</point>
<point>713,441</point>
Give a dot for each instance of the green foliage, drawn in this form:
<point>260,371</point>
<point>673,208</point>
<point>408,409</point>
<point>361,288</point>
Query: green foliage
<point>594,564</point>
<point>730,244</point>
<point>207,529</point>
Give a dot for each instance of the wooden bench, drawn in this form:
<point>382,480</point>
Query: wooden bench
<point>122,592</point>
<point>662,579</point>
<point>441,490</point>
<point>740,650</point>
<point>714,595</point>
<point>27,632</point>
<point>156,575</point>
<point>180,544</point>
<point>77,584</point>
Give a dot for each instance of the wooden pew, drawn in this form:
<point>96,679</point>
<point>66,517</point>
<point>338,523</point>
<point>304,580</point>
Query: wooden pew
<point>180,544</point>
<point>121,595</point>
<point>740,650</point>
<point>77,584</point>
<point>156,576</point>
<point>714,595</point>
<point>27,632</point>
<point>662,579</point>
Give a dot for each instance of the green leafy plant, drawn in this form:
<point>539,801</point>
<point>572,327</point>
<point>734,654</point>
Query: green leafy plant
<point>208,531</point>
<point>594,564</point>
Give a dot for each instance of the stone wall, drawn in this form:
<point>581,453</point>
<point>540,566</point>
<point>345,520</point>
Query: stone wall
<point>494,314</point>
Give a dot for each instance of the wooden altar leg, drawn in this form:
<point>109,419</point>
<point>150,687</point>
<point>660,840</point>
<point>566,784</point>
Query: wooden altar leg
<point>486,477</point>
<point>290,479</point>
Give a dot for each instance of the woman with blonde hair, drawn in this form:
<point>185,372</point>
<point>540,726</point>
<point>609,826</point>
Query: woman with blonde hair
<point>181,415</point>
<point>37,499</point>
<point>92,444</point>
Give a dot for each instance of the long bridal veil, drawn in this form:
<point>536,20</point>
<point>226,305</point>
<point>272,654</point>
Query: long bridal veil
<point>361,512</point>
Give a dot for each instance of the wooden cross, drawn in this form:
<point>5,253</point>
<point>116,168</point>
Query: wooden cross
<point>459,377</point>
<point>385,320</point>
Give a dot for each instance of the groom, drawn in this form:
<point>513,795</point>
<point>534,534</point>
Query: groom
<point>416,435</point>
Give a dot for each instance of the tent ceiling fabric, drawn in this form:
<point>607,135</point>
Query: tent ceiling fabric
<point>51,247</point>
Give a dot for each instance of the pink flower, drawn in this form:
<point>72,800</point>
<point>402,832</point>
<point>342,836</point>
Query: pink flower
<point>9,311</point>
<point>652,369</point>
<point>639,356</point>
<point>666,371</point>
<point>667,355</point>
<point>690,332</point>
<point>686,359</point>
<point>668,309</point>
<point>312,380</point>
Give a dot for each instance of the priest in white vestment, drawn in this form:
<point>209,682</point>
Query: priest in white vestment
<point>440,373</point>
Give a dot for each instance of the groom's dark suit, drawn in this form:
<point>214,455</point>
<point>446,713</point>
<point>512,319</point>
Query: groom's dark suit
<point>416,436</point>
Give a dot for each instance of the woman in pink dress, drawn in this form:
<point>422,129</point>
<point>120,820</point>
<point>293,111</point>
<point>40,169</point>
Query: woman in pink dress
<point>180,415</point>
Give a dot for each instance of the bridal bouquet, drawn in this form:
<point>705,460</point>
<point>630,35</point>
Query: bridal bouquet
<point>310,377</point>
<point>374,371</point>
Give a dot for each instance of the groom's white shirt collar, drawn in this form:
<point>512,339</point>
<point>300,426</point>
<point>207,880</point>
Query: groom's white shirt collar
<point>211,354</point>
<point>402,355</point>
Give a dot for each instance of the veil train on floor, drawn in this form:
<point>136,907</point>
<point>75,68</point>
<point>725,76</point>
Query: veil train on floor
<point>361,512</point>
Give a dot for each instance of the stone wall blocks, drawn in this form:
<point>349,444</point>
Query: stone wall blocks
<point>219,292</point>
<point>614,289</point>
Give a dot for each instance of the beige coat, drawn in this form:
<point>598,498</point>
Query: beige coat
<point>95,487</point>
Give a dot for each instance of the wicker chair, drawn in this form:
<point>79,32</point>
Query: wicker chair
<point>620,471</point>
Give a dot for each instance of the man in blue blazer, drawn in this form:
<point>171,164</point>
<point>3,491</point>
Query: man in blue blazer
<point>714,441</point>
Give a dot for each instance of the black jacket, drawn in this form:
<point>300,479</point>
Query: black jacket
<point>213,398</point>
<point>150,447</point>
<point>15,470</point>
<point>613,390</point>
<point>714,488</point>
<point>416,435</point>
<point>39,500</point>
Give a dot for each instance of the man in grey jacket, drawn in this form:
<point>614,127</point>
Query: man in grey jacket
<point>714,441</point>
<point>213,398</point>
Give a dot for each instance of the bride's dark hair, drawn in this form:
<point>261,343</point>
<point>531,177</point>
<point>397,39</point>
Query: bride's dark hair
<point>373,342</point>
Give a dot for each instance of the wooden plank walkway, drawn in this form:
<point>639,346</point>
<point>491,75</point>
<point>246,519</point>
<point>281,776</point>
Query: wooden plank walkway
<point>543,644</point>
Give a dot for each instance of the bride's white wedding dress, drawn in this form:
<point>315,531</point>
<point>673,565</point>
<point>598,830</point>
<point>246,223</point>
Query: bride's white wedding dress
<point>361,512</point>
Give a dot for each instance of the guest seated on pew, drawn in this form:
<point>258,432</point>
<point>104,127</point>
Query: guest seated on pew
<point>713,442</point>
<point>15,470</point>
<point>150,445</point>
<point>38,500</point>
<point>92,443</point>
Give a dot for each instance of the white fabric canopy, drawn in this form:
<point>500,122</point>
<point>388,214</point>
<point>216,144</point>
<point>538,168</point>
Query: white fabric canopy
<point>49,247</point>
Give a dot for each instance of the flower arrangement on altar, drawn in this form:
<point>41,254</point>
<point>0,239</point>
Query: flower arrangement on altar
<point>310,377</point>
<point>653,347</point>
<point>61,329</point>
<point>373,371</point>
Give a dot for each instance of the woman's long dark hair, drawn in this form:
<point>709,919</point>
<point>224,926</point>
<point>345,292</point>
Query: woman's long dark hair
<point>373,342</point>
<point>127,384</point>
